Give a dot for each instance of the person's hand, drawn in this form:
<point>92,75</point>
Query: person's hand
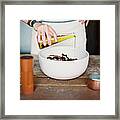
<point>46,32</point>
<point>84,22</point>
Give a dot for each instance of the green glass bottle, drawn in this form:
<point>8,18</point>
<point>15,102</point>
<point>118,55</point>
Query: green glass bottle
<point>60,39</point>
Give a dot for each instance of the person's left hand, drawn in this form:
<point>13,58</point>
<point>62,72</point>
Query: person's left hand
<point>84,22</point>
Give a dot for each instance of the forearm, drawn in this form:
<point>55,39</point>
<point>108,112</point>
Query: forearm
<point>31,22</point>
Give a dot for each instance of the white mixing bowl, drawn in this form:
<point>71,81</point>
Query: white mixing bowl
<point>63,69</point>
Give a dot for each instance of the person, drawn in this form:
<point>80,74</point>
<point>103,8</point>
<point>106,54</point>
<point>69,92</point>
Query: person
<point>46,30</point>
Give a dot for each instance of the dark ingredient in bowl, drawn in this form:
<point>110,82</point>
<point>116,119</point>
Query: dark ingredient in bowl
<point>61,58</point>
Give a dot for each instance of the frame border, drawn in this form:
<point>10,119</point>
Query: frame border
<point>2,62</point>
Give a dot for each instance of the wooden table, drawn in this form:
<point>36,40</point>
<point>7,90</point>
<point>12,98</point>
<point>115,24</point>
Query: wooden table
<point>76,89</point>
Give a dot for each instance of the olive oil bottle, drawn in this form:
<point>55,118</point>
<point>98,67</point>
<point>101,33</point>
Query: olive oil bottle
<point>60,39</point>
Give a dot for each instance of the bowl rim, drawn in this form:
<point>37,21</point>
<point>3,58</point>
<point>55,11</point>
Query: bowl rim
<point>65,61</point>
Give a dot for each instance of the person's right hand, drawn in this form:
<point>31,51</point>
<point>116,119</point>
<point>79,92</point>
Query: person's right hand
<point>46,31</point>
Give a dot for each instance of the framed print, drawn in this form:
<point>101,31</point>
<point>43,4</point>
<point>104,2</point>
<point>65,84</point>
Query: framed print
<point>60,60</point>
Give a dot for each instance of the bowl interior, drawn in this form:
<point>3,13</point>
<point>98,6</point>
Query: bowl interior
<point>58,50</point>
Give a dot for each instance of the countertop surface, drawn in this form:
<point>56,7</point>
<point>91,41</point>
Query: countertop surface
<point>76,89</point>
